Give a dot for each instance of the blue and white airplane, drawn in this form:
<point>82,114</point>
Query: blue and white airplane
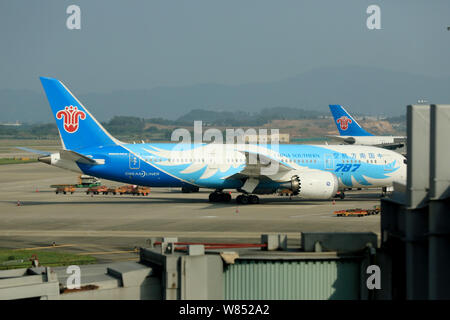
<point>310,171</point>
<point>352,133</point>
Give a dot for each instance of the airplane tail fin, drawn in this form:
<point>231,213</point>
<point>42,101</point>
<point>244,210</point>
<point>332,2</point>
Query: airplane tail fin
<point>345,123</point>
<point>77,127</point>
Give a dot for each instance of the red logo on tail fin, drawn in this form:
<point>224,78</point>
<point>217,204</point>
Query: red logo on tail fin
<point>71,117</point>
<point>343,122</point>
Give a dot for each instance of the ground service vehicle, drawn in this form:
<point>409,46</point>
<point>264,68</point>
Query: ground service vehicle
<point>65,189</point>
<point>358,212</point>
<point>97,190</point>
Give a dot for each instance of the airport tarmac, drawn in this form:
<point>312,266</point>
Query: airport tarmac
<point>109,227</point>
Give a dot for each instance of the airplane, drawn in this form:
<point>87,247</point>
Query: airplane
<point>352,133</point>
<point>309,171</point>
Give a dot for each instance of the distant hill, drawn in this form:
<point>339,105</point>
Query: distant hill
<point>363,90</point>
<point>243,118</point>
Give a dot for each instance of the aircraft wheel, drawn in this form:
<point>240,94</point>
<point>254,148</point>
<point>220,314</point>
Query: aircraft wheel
<point>219,197</point>
<point>242,199</point>
<point>253,199</point>
<point>342,195</point>
<point>185,190</point>
<point>226,197</point>
<point>213,197</point>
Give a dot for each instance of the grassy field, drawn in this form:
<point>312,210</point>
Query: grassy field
<point>29,142</point>
<point>13,259</point>
<point>15,161</point>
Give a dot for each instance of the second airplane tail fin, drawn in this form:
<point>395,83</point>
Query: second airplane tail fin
<point>77,127</point>
<point>345,123</point>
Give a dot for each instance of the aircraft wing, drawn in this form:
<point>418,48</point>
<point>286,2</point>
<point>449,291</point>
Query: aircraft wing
<point>255,164</point>
<point>390,146</point>
<point>351,140</point>
<point>345,139</point>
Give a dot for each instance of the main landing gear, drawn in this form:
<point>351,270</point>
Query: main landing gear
<point>247,199</point>
<point>219,196</point>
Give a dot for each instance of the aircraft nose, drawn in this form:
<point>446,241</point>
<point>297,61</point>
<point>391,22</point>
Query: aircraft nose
<point>45,159</point>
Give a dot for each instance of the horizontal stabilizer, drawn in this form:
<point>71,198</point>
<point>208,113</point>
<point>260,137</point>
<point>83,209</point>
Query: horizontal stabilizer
<point>75,156</point>
<point>43,153</point>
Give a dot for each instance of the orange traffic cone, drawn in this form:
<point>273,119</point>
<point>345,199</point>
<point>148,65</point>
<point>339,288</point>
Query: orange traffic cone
<point>334,202</point>
<point>237,210</point>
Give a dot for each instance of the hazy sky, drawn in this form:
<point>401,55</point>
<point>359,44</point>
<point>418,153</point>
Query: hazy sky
<point>145,44</point>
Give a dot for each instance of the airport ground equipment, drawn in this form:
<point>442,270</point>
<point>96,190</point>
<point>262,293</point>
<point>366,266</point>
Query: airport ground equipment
<point>134,190</point>
<point>88,181</point>
<point>144,191</point>
<point>84,181</point>
<point>97,190</point>
<point>65,189</point>
<point>127,189</point>
<point>358,212</point>
<point>113,190</point>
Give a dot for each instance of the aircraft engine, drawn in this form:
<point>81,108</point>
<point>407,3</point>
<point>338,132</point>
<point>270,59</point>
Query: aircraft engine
<point>312,184</point>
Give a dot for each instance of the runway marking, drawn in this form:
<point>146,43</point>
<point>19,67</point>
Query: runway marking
<point>299,207</point>
<point>47,247</point>
<point>107,252</point>
<point>139,234</point>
